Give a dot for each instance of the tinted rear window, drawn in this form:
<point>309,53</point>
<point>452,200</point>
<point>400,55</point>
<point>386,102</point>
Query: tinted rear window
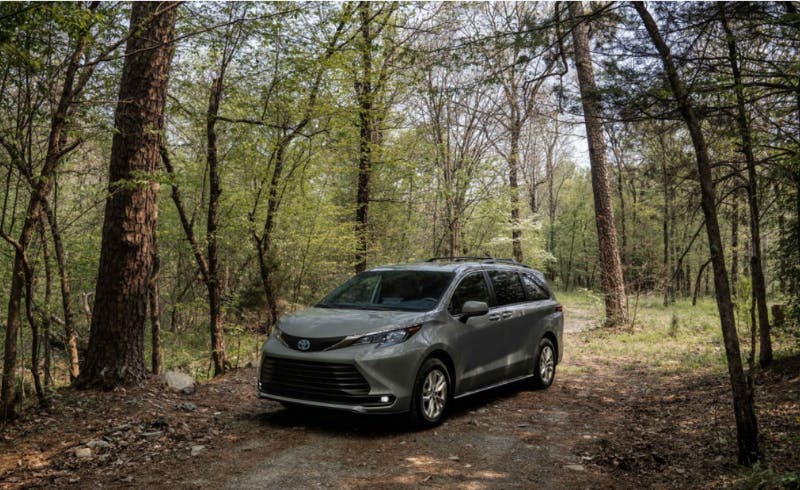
<point>535,291</point>
<point>507,287</point>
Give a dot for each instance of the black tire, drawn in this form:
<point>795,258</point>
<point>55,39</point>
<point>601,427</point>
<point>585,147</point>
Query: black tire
<point>432,394</point>
<point>544,370</point>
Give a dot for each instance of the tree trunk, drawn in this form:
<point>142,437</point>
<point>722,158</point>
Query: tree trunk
<point>623,230</point>
<point>746,424</point>
<point>611,277</point>
<point>35,337</point>
<point>48,303</point>
<point>665,228</point>
<point>154,303</point>
<point>756,271</point>
<point>218,354</point>
<point>734,243</point>
<point>66,294</point>
<point>116,344</point>
<point>697,281</point>
<point>365,96</point>
<point>266,259</point>
<point>513,171</point>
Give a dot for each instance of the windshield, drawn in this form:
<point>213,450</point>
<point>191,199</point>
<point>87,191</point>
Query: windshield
<point>390,290</point>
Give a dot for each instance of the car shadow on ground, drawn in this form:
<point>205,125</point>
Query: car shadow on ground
<point>334,422</point>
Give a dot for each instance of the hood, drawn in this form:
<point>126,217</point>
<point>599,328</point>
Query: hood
<point>335,322</point>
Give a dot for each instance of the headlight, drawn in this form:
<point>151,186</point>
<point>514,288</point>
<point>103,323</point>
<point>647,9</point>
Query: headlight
<point>277,334</point>
<point>390,337</point>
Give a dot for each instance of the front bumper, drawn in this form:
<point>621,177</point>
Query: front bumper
<point>388,373</point>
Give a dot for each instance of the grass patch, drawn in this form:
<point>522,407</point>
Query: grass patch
<point>670,340</point>
<point>765,477</point>
<point>583,301</point>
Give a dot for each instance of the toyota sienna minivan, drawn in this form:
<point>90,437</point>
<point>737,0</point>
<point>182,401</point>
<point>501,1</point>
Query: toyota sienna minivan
<point>413,337</point>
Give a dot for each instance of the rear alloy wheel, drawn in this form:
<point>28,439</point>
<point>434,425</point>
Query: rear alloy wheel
<point>545,369</point>
<point>431,394</point>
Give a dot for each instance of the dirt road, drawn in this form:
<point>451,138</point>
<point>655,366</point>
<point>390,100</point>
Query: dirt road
<point>513,437</point>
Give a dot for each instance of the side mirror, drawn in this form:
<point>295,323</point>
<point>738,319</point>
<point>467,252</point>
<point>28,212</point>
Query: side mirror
<point>473,308</point>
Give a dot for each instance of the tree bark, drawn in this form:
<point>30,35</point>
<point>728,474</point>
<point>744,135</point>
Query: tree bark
<point>746,424</point>
<point>365,96</point>
<point>218,353</point>
<point>116,344</point>
<point>734,243</point>
<point>611,277</point>
<point>756,271</point>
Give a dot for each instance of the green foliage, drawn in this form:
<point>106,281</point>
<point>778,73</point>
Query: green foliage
<point>763,476</point>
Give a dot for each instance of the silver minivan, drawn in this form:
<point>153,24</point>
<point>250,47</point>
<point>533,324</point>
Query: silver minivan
<point>413,337</point>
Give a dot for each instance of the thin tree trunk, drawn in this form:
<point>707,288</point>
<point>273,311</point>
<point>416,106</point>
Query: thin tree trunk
<point>734,243</point>
<point>611,277</point>
<point>35,337</point>
<point>571,252</point>
<point>744,410</point>
<point>154,303</point>
<point>116,344</point>
<point>366,124</point>
<point>756,271</point>
<point>665,218</point>
<point>697,281</point>
<point>266,260</point>
<point>48,300</point>
<point>66,294</point>
<point>622,223</point>
<point>87,310</point>
<point>513,171</point>
<point>218,353</point>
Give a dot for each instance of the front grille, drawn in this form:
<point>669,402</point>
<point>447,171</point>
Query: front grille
<point>315,344</point>
<point>316,381</point>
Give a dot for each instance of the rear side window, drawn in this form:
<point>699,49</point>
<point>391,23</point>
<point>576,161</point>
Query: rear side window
<point>507,287</point>
<point>471,288</point>
<point>534,290</point>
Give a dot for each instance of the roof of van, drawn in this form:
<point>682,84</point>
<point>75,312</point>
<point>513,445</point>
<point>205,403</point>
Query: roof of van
<point>458,264</point>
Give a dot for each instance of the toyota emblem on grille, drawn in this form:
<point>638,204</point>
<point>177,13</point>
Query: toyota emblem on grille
<point>303,344</point>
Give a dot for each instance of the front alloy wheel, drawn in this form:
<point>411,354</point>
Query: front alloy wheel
<point>431,394</point>
<point>545,370</point>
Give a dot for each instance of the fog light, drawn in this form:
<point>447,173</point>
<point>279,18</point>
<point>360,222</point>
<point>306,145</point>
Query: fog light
<point>384,399</point>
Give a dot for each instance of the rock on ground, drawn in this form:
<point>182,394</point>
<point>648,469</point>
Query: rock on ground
<point>178,381</point>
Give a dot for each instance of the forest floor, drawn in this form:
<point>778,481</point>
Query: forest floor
<point>614,418</point>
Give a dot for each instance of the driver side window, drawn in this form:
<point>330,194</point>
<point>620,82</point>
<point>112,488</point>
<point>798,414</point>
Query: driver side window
<point>472,288</point>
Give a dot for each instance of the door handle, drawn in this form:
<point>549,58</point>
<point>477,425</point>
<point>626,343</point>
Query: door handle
<point>494,317</point>
<point>507,315</point>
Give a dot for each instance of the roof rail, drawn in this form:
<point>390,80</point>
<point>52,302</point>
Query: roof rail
<point>459,258</point>
<point>484,259</point>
